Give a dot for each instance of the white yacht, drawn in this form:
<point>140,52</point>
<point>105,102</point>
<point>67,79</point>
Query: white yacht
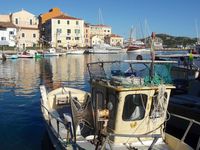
<point>104,49</point>
<point>51,52</point>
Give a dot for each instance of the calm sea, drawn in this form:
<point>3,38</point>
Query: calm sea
<point>21,123</point>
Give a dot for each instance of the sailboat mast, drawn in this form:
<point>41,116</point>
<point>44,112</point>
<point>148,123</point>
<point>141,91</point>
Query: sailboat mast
<point>152,55</point>
<point>196,25</point>
<point>130,38</point>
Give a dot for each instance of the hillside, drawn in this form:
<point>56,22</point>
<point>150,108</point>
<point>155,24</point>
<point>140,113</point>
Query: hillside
<point>173,41</point>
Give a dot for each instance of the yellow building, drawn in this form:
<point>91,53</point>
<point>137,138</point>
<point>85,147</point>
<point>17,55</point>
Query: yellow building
<point>64,31</point>
<point>114,40</point>
<point>27,28</point>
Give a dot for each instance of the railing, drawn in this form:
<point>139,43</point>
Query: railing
<point>56,131</point>
<point>191,122</point>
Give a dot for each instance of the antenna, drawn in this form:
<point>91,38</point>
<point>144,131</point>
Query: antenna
<point>196,26</point>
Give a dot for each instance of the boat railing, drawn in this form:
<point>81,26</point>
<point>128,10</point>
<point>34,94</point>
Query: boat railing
<point>56,129</point>
<point>191,122</point>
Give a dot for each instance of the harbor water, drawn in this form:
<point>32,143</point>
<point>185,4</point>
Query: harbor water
<point>21,123</point>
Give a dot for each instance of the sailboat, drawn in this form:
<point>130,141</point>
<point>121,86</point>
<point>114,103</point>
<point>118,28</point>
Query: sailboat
<point>135,45</point>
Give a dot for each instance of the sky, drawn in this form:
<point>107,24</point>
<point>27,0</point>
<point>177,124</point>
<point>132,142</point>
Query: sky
<point>173,17</point>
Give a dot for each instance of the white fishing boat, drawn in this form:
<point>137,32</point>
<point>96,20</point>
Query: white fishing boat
<point>51,52</point>
<point>119,113</point>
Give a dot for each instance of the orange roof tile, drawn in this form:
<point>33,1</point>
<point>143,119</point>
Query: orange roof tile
<point>7,25</point>
<point>115,35</point>
<point>66,17</point>
<point>101,25</point>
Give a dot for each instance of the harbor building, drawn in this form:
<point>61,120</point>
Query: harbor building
<point>7,33</point>
<point>87,35</point>
<point>27,28</point>
<point>114,40</point>
<point>64,31</point>
<point>98,33</point>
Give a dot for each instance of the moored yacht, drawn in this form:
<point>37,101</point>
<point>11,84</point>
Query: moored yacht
<point>104,49</point>
<point>50,52</point>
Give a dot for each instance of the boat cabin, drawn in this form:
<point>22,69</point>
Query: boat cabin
<point>128,107</point>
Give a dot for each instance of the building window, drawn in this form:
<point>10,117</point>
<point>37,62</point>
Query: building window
<point>76,22</point>
<point>23,35</point>
<point>68,38</point>
<point>59,41</point>
<point>34,35</point>
<point>68,22</point>
<point>68,31</point>
<point>77,31</point>
<point>134,107</point>
<point>31,21</point>
<point>108,30</point>
<point>58,21</point>
<point>58,31</point>
<point>77,38</point>
<point>3,38</point>
<point>11,32</point>
<point>16,21</point>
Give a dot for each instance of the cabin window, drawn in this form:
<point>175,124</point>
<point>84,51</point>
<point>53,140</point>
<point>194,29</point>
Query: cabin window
<point>99,100</point>
<point>134,107</point>
<point>158,106</point>
<point>113,101</point>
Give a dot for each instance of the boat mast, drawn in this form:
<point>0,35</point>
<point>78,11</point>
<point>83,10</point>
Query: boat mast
<point>196,25</point>
<point>152,52</point>
<point>130,37</point>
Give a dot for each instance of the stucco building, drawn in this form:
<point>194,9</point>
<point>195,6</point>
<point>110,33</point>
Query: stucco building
<point>7,33</point>
<point>27,28</point>
<point>114,40</point>
<point>64,31</point>
<point>87,35</point>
